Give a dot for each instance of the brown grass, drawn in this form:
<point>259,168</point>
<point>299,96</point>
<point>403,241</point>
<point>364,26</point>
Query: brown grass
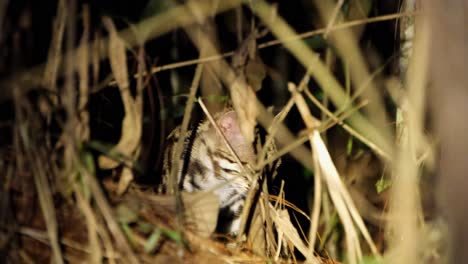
<point>122,223</point>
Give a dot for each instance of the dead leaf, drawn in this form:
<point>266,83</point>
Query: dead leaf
<point>131,124</point>
<point>244,101</point>
<point>257,236</point>
<point>250,72</point>
<point>283,224</point>
<point>126,177</point>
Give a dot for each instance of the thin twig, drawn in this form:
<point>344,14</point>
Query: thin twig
<point>333,16</point>
<point>41,182</point>
<point>42,237</point>
<point>272,43</point>
<point>108,215</point>
<point>319,71</point>
<point>298,142</point>
<point>311,123</point>
<point>134,35</point>
<point>173,178</point>
<point>279,119</point>
<point>350,130</point>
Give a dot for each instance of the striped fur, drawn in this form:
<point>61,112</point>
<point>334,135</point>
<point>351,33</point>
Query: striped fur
<point>206,164</point>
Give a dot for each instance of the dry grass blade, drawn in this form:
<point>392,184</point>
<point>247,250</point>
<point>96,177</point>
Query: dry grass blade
<point>311,123</point>
<point>44,192</point>
<point>126,177</point>
<point>109,217</point>
<point>284,225</point>
<point>149,28</point>
<point>353,23</point>
<point>346,43</point>
<point>43,238</point>
<point>345,206</point>
<point>173,178</point>
<point>91,224</point>
<point>319,71</point>
<point>84,205</point>
<point>279,118</point>
<point>131,124</point>
<point>304,136</point>
<point>54,56</point>
<point>333,16</point>
<point>340,195</point>
<point>335,188</point>
<point>82,69</point>
<point>346,127</point>
<point>405,208</point>
<point>244,101</point>
<point>242,94</point>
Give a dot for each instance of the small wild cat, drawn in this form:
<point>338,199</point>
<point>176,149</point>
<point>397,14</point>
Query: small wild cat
<point>206,164</point>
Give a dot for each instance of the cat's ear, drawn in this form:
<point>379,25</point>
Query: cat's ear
<point>229,125</point>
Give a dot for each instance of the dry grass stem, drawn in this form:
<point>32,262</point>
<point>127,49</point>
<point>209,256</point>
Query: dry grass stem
<point>91,224</point>
<point>284,225</point>
<point>311,124</point>
<point>340,196</point>
<point>129,141</point>
<point>278,120</point>
<point>109,216</point>
<point>346,44</point>
<point>304,136</point>
<point>405,207</point>
<point>319,71</point>
<point>30,149</point>
<point>57,116</point>
<point>333,17</point>
<point>82,69</point>
<point>43,238</point>
<point>134,35</point>
<point>336,27</point>
<point>55,50</point>
<point>172,181</point>
<point>346,127</point>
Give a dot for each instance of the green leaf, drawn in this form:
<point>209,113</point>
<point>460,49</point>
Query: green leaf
<point>144,227</point>
<point>128,232</point>
<point>153,240</point>
<point>382,184</point>
<point>174,236</point>
<point>87,160</point>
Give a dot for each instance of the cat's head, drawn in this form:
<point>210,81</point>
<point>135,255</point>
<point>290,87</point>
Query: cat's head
<point>228,123</point>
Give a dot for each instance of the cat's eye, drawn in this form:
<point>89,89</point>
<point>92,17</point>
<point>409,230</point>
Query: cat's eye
<point>230,171</point>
